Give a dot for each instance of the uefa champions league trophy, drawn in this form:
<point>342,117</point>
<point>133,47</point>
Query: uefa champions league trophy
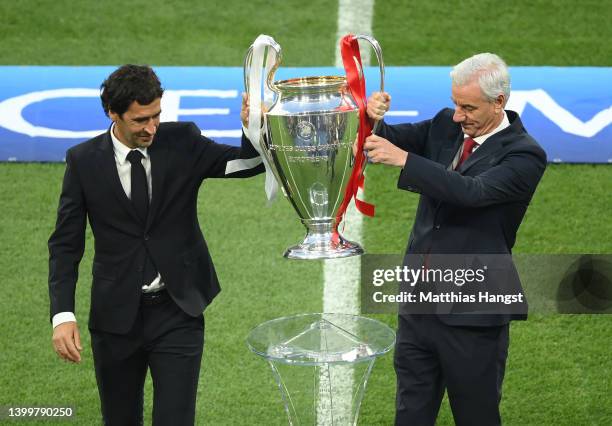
<point>310,126</point>
<point>321,363</point>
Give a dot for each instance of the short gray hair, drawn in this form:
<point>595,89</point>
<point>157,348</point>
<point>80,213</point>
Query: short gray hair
<point>490,70</point>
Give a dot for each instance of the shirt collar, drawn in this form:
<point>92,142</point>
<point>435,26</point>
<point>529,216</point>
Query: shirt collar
<point>122,151</point>
<point>482,138</point>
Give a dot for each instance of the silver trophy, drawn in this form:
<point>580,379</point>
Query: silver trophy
<point>310,130</point>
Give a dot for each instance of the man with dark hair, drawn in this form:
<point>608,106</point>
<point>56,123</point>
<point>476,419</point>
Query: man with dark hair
<point>127,84</point>
<point>476,169</point>
<point>152,273</point>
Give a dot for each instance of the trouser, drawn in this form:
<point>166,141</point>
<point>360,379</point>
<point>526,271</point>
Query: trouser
<point>163,339</point>
<point>467,362</point>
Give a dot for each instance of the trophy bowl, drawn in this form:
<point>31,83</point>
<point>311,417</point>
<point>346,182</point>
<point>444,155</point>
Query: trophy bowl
<point>310,132</point>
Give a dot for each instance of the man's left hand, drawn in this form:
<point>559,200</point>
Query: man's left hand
<point>244,110</point>
<point>380,150</point>
<point>378,104</point>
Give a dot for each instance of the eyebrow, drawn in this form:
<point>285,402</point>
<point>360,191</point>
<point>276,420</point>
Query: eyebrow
<point>464,105</point>
<point>146,118</point>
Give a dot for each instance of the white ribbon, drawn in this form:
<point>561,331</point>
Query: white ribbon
<point>255,129</point>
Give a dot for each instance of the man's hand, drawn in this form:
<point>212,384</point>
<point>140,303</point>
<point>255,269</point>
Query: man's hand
<point>380,150</point>
<point>244,110</point>
<point>378,105</point>
<point>67,341</point>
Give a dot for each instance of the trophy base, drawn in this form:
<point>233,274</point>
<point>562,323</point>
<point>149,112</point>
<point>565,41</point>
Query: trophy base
<point>323,246</point>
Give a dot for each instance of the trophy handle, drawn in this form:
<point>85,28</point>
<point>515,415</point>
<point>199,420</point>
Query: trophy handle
<point>381,65</point>
<point>248,58</point>
<point>246,67</point>
<point>270,76</point>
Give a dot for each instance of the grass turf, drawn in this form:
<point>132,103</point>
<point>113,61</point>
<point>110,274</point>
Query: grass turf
<point>569,353</point>
<point>558,370</point>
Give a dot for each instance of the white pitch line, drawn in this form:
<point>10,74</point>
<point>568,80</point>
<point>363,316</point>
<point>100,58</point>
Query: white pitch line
<point>355,16</point>
<point>342,276</point>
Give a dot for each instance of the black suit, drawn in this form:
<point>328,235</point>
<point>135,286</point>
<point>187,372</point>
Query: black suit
<point>475,209</point>
<point>180,160</point>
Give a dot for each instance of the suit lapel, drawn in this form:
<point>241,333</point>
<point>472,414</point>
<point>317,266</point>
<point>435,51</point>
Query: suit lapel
<point>158,155</point>
<point>495,143</point>
<point>447,153</point>
<point>488,148</point>
<point>108,168</point>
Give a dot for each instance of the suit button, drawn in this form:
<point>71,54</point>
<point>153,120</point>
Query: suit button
<point>146,237</point>
<point>437,227</point>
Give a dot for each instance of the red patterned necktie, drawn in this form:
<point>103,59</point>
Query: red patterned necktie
<point>468,147</point>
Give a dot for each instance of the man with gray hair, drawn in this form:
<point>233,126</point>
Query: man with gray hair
<point>476,169</point>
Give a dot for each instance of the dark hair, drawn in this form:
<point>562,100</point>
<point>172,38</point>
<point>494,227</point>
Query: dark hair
<point>127,84</point>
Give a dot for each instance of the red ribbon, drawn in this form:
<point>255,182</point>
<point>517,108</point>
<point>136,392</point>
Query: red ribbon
<point>351,58</point>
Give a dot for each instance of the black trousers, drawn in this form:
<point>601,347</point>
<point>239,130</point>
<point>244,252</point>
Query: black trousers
<point>469,362</point>
<point>163,339</point>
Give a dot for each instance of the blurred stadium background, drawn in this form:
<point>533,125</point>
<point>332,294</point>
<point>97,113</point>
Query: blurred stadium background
<point>559,368</point>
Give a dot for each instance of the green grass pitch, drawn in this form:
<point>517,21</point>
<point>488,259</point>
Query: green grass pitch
<point>559,367</point>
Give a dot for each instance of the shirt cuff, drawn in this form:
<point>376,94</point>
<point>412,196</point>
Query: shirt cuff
<point>63,317</point>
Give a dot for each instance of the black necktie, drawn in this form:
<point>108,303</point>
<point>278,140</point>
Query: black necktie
<point>140,200</point>
<point>140,188</point>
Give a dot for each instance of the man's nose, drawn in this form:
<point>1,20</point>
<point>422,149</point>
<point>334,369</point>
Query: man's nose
<point>458,115</point>
<point>151,127</point>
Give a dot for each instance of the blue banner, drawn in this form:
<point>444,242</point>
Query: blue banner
<point>45,110</point>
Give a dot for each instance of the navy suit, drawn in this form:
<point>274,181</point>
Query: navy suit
<point>122,329</point>
<point>475,209</point>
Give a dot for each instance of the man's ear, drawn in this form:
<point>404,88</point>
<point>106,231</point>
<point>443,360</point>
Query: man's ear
<point>500,102</point>
<point>113,115</point>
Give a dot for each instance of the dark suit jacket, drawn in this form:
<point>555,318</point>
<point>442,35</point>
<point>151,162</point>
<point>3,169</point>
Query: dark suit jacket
<point>479,207</point>
<point>180,160</point>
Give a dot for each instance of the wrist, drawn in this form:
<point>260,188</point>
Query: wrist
<point>62,318</point>
<point>403,159</point>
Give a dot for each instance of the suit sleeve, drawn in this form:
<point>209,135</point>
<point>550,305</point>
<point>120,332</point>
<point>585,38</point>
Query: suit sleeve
<point>410,137</point>
<point>214,160</point>
<point>513,179</point>
<point>67,242</point>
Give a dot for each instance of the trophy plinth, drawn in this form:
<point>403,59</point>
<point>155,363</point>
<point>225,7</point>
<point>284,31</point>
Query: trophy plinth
<point>321,363</point>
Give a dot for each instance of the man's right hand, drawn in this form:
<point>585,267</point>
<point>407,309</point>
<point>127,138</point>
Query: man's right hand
<point>378,105</point>
<point>67,341</point>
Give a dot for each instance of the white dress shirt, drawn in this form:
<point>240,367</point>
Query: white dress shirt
<point>124,169</point>
<point>480,140</point>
